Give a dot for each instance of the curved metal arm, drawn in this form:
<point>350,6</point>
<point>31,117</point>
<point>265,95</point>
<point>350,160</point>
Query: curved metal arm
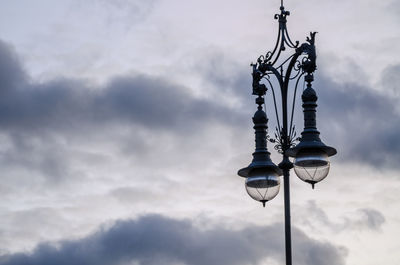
<point>265,67</point>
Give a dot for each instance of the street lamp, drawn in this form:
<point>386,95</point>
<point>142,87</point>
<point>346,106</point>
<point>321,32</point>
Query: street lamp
<point>311,155</point>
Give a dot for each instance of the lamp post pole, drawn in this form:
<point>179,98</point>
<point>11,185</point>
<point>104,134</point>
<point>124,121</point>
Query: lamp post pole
<point>288,232</point>
<point>310,155</point>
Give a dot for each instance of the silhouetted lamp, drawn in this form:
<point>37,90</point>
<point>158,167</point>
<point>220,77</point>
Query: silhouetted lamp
<point>311,163</point>
<point>262,175</point>
<point>311,155</point>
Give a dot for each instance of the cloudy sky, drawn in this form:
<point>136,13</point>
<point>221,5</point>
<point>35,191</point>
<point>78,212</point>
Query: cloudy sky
<point>123,124</point>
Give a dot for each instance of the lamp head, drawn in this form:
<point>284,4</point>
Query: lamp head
<point>262,175</point>
<point>311,162</point>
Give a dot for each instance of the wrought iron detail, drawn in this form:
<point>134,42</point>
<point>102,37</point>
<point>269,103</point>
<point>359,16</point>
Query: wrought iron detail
<point>271,70</point>
<point>301,63</point>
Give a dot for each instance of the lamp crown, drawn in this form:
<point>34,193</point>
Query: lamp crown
<point>309,94</point>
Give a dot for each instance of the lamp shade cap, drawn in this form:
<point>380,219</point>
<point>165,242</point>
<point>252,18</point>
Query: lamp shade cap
<point>309,146</point>
<point>245,172</point>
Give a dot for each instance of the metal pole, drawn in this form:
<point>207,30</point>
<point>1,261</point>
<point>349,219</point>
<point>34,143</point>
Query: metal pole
<point>288,236</point>
<point>286,165</point>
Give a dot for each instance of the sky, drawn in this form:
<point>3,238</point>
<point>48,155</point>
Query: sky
<point>123,124</point>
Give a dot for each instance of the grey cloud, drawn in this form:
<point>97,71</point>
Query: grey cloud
<point>134,195</point>
<point>38,118</point>
<point>391,79</point>
<point>158,240</point>
<point>11,72</point>
<point>45,157</point>
<point>360,219</point>
<point>68,109</point>
<point>372,218</point>
<point>361,122</point>
<point>229,79</point>
<point>73,105</point>
<point>159,104</point>
<point>393,7</point>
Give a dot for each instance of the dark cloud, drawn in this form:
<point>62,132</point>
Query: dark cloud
<point>154,239</point>
<point>71,104</point>
<point>11,72</point>
<point>157,103</point>
<point>37,119</point>
<point>361,122</point>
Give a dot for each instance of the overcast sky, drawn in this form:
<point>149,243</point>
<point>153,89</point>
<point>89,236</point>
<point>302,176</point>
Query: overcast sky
<point>123,124</point>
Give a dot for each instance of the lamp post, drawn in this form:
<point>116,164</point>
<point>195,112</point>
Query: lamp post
<point>311,155</point>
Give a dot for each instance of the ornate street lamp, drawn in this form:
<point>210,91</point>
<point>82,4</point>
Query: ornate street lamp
<point>311,155</point>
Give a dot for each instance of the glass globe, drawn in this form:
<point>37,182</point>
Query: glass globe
<point>311,166</point>
<point>263,185</point>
